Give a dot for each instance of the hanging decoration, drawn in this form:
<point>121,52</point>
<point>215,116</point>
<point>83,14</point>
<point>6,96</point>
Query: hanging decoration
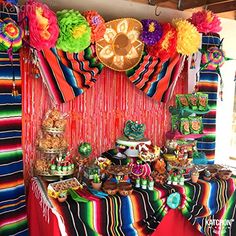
<point>212,59</point>
<point>193,61</point>
<point>96,23</point>
<point>166,46</point>
<point>152,31</point>
<point>75,33</point>
<point>206,22</point>
<point>42,25</point>
<point>120,49</point>
<point>10,35</point>
<point>10,40</point>
<point>188,38</point>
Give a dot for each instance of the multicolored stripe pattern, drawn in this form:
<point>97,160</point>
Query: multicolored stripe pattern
<point>223,223</point>
<point>155,78</point>
<point>68,75</point>
<point>208,83</point>
<point>13,219</point>
<point>142,211</point>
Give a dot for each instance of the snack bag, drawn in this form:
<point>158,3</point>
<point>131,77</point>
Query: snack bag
<point>174,122</point>
<point>184,126</point>
<point>195,125</point>
<point>181,100</point>
<point>202,101</point>
<point>193,101</point>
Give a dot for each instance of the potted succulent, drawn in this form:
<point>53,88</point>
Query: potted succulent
<point>194,175</point>
<point>96,183</point>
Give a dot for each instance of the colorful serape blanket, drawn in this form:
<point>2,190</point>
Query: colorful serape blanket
<point>208,83</point>
<point>142,211</point>
<point>155,78</point>
<point>68,75</point>
<point>13,218</point>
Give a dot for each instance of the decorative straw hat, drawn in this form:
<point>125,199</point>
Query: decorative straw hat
<point>120,48</point>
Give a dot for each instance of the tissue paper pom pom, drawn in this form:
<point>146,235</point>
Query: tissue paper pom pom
<point>75,32</point>
<point>43,28</point>
<point>206,22</point>
<point>152,31</point>
<point>188,38</point>
<point>166,47</point>
<point>96,23</point>
<point>10,35</point>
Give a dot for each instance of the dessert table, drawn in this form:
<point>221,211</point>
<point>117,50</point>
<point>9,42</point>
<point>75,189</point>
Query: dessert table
<point>144,212</point>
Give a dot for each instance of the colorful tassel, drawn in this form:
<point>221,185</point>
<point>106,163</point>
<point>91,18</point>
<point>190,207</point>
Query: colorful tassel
<point>193,64</point>
<point>221,89</point>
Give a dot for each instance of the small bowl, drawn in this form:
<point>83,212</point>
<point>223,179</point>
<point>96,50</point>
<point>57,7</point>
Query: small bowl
<point>125,188</point>
<point>110,188</point>
<point>213,172</point>
<point>224,174</point>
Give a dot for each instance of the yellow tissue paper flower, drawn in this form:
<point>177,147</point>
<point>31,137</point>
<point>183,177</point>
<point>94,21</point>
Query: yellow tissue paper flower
<point>188,38</point>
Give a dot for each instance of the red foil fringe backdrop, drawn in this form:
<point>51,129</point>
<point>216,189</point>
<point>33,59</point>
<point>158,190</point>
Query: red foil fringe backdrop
<point>97,116</point>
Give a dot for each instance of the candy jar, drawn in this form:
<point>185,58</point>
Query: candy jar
<point>144,183</point>
<point>181,180</point>
<point>150,183</point>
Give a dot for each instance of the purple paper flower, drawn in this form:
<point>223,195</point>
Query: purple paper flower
<point>152,31</point>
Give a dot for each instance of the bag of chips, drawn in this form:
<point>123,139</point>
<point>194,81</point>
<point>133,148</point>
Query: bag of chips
<point>181,101</point>
<point>184,126</point>
<point>195,124</point>
<point>193,101</point>
<point>202,101</point>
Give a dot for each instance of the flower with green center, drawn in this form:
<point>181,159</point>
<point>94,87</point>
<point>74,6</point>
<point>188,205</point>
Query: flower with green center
<point>75,33</point>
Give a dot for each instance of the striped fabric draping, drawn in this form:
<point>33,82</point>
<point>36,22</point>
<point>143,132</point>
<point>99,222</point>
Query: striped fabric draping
<point>155,78</point>
<point>68,75</point>
<point>208,83</point>
<point>223,223</point>
<point>142,211</point>
<point>13,219</point>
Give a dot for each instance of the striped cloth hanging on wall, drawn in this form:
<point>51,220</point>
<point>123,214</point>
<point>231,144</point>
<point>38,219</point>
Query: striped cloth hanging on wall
<point>13,218</point>
<point>208,83</point>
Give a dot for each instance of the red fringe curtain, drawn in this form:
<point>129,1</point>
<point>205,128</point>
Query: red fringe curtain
<point>97,116</point>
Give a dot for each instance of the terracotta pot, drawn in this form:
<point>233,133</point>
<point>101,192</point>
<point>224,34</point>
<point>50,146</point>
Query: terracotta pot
<point>110,188</point>
<point>194,178</point>
<point>62,199</point>
<point>97,186</point>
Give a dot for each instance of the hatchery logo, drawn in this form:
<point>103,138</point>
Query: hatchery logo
<point>217,224</point>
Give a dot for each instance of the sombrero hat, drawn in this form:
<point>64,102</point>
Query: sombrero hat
<point>120,48</point>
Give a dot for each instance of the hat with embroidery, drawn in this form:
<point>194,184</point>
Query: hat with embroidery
<point>120,48</point>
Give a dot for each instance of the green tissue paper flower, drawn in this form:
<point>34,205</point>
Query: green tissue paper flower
<point>75,33</point>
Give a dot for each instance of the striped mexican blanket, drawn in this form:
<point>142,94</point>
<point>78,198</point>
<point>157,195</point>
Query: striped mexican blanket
<point>142,211</point>
<point>208,83</point>
<point>13,220</point>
